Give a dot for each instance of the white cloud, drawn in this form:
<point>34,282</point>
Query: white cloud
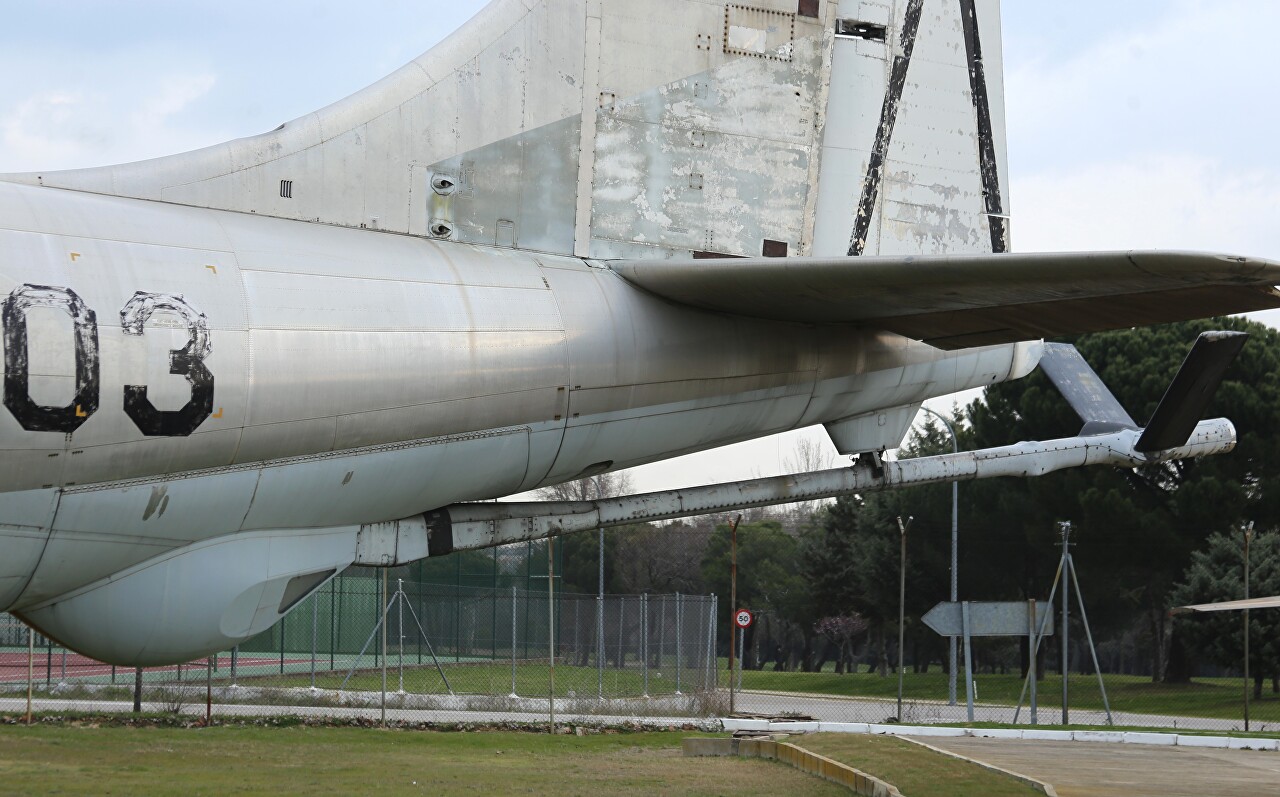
<point>1173,201</point>
<point>1200,77</point>
<point>101,121</point>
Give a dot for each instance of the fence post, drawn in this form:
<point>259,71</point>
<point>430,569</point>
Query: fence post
<point>235,654</point>
<point>622,625</point>
<point>282,619</point>
<point>644,639</point>
<point>514,611</point>
<point>400,620</point>
<point>712,667</point>
<point>662,628</point>
<point>315,633</point>
<point>333,619</point>
<point>679,636</point>
<point>600,647</point>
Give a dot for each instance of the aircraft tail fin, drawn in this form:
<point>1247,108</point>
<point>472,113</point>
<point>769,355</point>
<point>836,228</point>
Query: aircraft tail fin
<point>616,129</point>
<point>1178,413</point>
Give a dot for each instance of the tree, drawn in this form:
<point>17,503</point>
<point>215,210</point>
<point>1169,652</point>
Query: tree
<point>1216,574</point>
<point>840,631</point>
<point>769,579</point>
<point>650,558</point>
<point>1135,529</point>
<point>807,455</point>
<point>580,553</point>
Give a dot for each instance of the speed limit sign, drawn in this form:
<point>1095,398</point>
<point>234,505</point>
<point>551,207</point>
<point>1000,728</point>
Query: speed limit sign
<point>742,619</point>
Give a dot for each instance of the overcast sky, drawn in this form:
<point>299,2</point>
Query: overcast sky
<point>1135,124</point>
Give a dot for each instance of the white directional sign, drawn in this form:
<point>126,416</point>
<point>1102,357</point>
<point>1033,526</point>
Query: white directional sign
<point>742,619</point>
<point>989,618</point>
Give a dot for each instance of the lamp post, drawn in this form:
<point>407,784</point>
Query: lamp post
<point>902,602</point>
<point>955,564</point>
<point>1248,536</point>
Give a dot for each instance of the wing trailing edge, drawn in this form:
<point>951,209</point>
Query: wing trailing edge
<point>960,301</point>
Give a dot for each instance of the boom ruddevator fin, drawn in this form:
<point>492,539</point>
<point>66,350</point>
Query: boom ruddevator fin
<point>1179,410</point>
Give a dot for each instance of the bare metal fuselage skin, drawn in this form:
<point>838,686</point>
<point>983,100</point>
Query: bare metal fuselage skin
<point>333,378</point>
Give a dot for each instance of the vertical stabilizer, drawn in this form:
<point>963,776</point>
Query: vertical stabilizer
<point>617,128</point>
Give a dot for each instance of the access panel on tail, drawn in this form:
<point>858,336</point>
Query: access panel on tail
<point>663,128</point>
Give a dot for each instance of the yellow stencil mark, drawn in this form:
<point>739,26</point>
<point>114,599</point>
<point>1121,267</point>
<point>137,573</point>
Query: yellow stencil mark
<point>214,269</point>
<point>217,414</point>
<point>74,256</point>
<point>81,413</point>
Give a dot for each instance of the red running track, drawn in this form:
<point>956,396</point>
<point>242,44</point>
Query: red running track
<point>13,666</point>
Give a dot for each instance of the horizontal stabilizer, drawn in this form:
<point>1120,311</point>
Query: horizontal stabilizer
<point>1191,390</point>
<point>960,301</point>
<point>1272,602</point>
<point>1081,386</point>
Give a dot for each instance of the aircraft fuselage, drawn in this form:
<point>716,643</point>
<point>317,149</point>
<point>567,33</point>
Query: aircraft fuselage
<point>176,374</point>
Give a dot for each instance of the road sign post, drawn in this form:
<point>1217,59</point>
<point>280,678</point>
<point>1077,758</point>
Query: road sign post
<point>733,601</point>
<point>967,619</point>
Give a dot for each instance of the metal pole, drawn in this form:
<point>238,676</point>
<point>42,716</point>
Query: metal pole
<point>457,610</point>
<point>955,560</point>
<point>551,631</point>
<point>1066,609</point>
<point>644,639</point>
<point>493,609</point>
<point>208,692</point>
<point>733,603</point>
<point>712,666</point>
<point>137,690</point>
<point>600,622</point>
<point>679,635</point>
<point>31,668</point>
<point>315,635</point>
<point>400,620</point>
<point>742,650</point>
<point>1031,659</point>
<point>333,619</point>
<point>514,612</point>
<point>1088,635</point>
<point>968,659</point>
<point>1248,535</point>
<point>902,602</point>
<point>383,623</point>
<point>662,629</point>
<point>1040,631</point>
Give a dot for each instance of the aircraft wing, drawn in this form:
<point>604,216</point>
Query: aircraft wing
<point>1231,606</point>
<point>960,301</point>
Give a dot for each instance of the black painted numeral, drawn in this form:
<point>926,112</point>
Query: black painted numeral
<point>187,361</point>
<point>17,395</point>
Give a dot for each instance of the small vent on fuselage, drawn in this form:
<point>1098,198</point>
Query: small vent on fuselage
<point>286,189</point>
<point>855,29</point>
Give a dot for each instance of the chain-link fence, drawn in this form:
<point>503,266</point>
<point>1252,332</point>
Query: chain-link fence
<point>456,653</point>
<point>854,679</point>
<point>436,652</point>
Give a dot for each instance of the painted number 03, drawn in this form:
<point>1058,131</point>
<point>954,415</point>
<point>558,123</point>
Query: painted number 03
<point>187,362</point>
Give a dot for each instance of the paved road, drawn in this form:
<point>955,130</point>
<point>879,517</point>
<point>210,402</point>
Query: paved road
<point>1087,769</point>
<point>841,709</point>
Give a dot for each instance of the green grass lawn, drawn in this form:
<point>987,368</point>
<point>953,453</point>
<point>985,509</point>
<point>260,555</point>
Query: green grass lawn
<point>913,769</point>
<point>270,761</point>
<point>1203,697</point>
